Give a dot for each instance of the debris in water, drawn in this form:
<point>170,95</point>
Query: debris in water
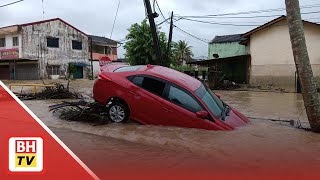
<point>81,111</point>
<point>58,92</point>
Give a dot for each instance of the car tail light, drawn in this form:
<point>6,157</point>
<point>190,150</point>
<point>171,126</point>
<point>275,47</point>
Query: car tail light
<point>104,77</point>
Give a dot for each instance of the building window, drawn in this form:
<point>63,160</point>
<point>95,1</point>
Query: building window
<point>53,70</point>
<point>15,41</point>
<point>2,42</point>
<point>53,42</point>
<point>77,45</point>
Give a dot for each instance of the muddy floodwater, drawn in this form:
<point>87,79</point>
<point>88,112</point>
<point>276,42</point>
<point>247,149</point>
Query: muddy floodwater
<point>267,105</point>
<point>262,145</point>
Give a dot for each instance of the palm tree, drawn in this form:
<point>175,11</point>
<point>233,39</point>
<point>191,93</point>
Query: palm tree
<point>309,89</point>
<point>181,52</point>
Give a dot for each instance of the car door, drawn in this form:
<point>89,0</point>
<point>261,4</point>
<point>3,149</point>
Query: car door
<point>181,107</point>
<point>146,99</point>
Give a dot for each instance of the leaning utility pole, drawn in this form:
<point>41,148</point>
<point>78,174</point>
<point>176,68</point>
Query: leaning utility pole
<point>153,29</point>
<point>169,42</point>
<point>91,57</point>
<point>301,58</point>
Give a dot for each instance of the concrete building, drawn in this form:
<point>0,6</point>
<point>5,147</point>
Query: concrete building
<point>229,58</point>
<point>226,46</point>
<point>272,62</point>
<point>263,55</point>
<point>42,49</point>
<point>104,51</point>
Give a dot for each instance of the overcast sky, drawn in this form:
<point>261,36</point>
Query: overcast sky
<point>97,16</point>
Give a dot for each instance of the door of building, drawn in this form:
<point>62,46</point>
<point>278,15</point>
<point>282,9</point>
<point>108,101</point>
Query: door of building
<point>4,72</point>
<point>79,73</point>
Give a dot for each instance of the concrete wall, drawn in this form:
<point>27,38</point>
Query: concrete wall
<point>226,50</point>
<point>96,68</point>
<point>9,41</point>
<point>34,45</point>
<point>8,33</point>
<point>272,60</point>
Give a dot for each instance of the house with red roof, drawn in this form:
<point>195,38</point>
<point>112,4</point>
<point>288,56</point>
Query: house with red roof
<point>42,49</point>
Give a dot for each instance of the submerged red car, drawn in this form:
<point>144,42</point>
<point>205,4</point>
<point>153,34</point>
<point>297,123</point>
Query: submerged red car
<point>158,95</point>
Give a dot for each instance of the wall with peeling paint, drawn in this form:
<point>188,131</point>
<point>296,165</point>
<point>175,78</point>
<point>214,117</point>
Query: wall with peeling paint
<point>34,45</point>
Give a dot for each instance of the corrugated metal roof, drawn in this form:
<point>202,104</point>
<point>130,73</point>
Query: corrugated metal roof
<point>103,40</point>
<point>228,38</point>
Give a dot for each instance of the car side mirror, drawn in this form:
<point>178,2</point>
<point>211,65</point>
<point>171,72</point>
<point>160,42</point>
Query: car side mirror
<point>203,114</point>
<point>218,95</point>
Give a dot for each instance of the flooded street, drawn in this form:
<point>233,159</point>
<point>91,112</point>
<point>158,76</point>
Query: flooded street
<point>262,146</point>
<point>267,105</point>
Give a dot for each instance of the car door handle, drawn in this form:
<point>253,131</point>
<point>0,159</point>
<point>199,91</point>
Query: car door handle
<point>133,93</point>
<point>167,109</point>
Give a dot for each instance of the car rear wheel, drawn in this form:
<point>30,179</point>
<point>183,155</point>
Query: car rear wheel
<point>118,113</point>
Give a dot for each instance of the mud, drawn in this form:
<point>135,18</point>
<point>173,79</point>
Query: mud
<point>267,105</point>
<point>260,144</point>
<point>256,140</point>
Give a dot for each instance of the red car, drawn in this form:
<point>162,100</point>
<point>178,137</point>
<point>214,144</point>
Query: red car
<point>162,96</point>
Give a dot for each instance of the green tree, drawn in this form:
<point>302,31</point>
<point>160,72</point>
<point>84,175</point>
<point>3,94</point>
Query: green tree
<point>139,48</point>
<point>181,52</point>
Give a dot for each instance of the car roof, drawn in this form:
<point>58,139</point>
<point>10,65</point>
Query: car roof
<point>174,76</point>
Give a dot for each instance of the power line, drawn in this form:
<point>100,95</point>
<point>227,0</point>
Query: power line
<point>11,3</point>
<point>222,24</point>
<point>239,25</point>
<point>230,17</point>
<point>242,17</point>
<point>190,34</point>
<point>42,10</point>
<point>160,10</point>
<point>312,18</point>
<point>181,30</point>
<point>250,12</point>
<point>115,18</point>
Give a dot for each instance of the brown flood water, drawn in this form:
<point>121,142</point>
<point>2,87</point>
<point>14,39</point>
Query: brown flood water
<point>267,105</point>
<point>260,145</point>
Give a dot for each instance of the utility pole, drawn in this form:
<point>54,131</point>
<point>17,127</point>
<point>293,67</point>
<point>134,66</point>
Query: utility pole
<point>153,29</point>
<point>169,41</point>
<point>303,66</point>
<point>91,54</point>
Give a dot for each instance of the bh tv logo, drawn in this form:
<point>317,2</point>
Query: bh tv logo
<point>25,154</point>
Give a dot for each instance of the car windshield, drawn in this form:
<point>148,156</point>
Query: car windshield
<point>128,68</point>
<point>214,104</point>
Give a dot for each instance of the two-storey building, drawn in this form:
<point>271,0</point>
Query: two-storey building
<point>104,50</point>
<point>42,49</point>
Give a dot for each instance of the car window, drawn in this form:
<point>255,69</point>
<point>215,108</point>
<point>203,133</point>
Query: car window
<point>150,84</point>
<point>138,80</point>
<point>127,68</point>
<point>211,100</point>
<point>183,99</point>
